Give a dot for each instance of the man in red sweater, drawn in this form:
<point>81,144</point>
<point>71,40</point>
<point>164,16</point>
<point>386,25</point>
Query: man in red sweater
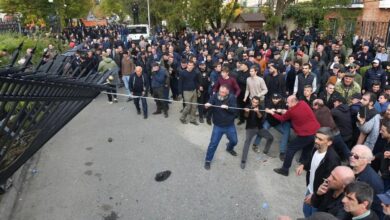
<point>305,126</point>
<point>231,82</point>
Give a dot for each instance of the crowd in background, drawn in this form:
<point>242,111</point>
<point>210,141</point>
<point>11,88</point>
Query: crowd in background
<point>335,98</point>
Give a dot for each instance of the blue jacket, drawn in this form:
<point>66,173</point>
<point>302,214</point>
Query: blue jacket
<point>188,81</point>
<point>369,176</point>
<point>159,77</point>
<point>223,117</point>
<point>374,74</point>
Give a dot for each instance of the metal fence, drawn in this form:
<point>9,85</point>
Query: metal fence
<point>369,29</point>
<point>35,105</point>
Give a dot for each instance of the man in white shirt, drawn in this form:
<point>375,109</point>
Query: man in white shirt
<point>323,161</point>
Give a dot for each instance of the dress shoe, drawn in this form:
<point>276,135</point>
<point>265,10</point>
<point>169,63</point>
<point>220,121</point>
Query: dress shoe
<point>207,165</point>
<point>138,112</point>
<point>242,165</point>
<point>145,116</point>
<point>281,171</point>
<point>156,112</point>
<point>201,120</point>
<point>232,152</point>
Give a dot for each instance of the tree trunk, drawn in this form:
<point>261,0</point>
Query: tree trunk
<point>229,18</point>
<point>212,24</point>
<point>281,6</point>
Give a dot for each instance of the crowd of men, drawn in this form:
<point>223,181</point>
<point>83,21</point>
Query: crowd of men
<point>335,100</point>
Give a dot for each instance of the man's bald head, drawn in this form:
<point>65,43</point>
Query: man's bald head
<point>345,174</point>
<point>292,101</point>
<point>138,70</point>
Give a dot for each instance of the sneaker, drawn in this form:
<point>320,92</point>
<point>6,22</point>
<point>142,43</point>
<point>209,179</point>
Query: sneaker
<point>242,165</point>
<point>255,148</point>
<point>282,156</point>
<point>281,171</point>
<point>115,100</point>
<point>194,123</point>
<point>110,102</point>
<point>232,152</point>
<point>201,120</point>
<point>207,165</point>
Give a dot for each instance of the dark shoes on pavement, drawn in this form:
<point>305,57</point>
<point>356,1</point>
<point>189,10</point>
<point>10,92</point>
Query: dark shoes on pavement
<point>183,121</point>
<point>145,116</point>
<point>201,120</point>
<point>281,171</point>
<point>242,165</point>
<point>208,121</point>
<point>232,152</point>
<point>139,112</point>
<point>166,114</point>
<point>207,165</point>
<point>157,112</point>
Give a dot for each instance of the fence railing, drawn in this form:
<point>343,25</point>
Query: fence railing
<point>35,105</point>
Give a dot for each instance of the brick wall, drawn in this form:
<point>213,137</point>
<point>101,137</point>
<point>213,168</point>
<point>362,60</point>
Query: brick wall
<point>374,21</point>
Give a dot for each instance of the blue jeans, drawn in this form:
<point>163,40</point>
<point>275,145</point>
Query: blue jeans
<point>126,82</point>
<point>283,128</point>
<point>308,210</point>
<point>144,105</point>
<point>216,135</point>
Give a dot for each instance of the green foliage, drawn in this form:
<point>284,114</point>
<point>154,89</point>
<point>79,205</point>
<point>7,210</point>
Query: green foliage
<point>308,13</point>
<point>10,41</point>
<point>273,22</point>
<point>34,11</point>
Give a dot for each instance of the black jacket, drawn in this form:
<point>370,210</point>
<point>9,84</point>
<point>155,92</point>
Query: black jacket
<point>223,117</point>
<point>342,117</point>
<point>138,84</point>
<point>327,164</point>
<point>328,102</point>
<point>334,206</point>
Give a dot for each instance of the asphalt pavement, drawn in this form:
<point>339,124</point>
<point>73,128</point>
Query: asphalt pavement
<point>79,175</point>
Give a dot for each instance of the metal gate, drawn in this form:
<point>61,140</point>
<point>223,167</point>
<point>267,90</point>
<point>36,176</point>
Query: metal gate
<point>35,105</point>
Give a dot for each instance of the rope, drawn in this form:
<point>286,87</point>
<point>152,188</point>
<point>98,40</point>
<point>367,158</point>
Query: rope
<point>168,100</point>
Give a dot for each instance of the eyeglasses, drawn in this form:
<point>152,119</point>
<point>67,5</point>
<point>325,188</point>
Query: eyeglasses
<point>355,156</point>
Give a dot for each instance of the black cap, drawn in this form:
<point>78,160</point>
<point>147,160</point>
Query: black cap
<point>356,96</point>
<point>338,98</point>
<point>276,53</point>
<point>387,87</point>
<point>202,62</point>
<point>276,96</point>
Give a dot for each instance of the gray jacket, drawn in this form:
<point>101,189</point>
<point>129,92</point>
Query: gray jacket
<point>371,128</point>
